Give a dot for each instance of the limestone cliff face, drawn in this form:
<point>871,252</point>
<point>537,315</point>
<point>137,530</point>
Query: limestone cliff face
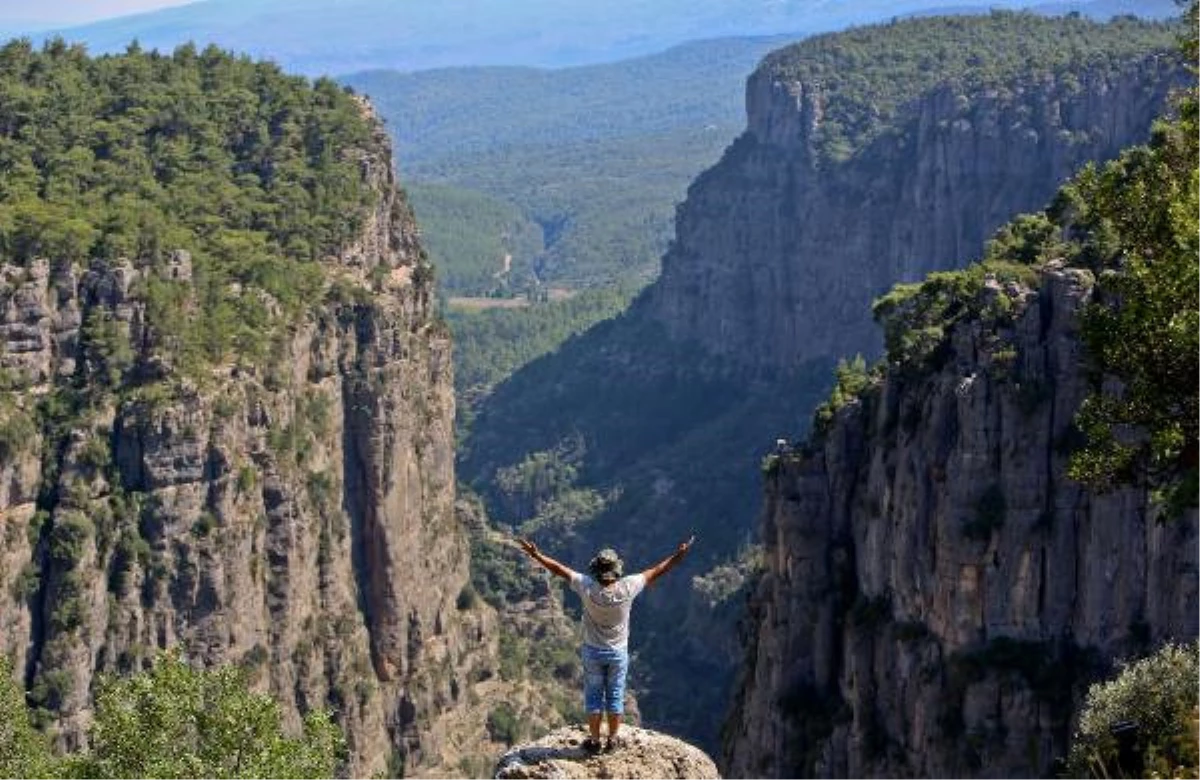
<point>780,238</point>
<point>296,517</point>
<point>937,594</point>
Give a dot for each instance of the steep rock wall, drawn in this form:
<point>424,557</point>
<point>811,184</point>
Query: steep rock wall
<point>937,593</point>
<point>296,517</point>
<point>779,239</point>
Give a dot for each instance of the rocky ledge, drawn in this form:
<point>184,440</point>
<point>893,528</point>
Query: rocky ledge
<point>642,754</point>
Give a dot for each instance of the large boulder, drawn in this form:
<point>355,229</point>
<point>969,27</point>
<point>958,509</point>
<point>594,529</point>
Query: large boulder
<point>642,754</point>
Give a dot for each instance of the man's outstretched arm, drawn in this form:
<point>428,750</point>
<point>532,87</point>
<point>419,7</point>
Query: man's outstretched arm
<point>552,565</point>
<point>666,564</point>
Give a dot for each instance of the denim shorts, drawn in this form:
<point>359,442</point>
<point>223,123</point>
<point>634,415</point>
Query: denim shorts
<point>604,670</point>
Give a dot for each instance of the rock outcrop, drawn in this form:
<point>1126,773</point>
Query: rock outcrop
<point>780,248</point>
<point>937,593</point>
<point>641,754</point>
<point>296,518</point>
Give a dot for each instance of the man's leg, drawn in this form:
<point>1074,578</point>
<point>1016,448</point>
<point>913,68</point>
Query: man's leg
<point>615,693</point>
<point>593,694</point>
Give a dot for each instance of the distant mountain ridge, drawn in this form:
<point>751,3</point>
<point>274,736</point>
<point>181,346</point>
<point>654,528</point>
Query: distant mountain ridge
<point>315,37</point>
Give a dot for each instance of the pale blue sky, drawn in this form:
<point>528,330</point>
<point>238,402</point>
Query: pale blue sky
<point>19,13</point>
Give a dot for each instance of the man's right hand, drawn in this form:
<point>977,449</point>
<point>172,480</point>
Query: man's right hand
<point>529,547</point>
<point>685,546</point>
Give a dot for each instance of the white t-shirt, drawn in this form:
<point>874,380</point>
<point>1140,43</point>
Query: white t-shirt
<point>606,610</point>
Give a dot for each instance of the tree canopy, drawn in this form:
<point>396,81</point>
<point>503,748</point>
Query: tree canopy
<point>256,173</point>
<point>174,720</point>
<point>868,76</point>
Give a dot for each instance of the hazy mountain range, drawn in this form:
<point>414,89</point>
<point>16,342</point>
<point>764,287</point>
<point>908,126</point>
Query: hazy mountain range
<point>341,36</point>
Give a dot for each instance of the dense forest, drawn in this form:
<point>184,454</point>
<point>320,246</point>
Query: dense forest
<point>469,235</point>
<point>134,156</point>
<point>595,157</point>
<point>491,344</point>
<point>868,75</point>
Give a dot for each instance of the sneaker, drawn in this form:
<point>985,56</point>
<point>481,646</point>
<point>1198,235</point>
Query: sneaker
<point>614,743</point>
<point>591,746</point>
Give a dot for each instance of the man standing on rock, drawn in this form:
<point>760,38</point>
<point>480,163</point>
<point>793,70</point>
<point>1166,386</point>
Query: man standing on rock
<point>607,599</point>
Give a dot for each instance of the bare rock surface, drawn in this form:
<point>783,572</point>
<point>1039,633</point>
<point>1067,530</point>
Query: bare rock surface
<point>765,237</point>
<point>642,753</point>
<point>937,592</point>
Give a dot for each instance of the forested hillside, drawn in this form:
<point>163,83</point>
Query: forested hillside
<point>138,155</point>
<point>868,79</point>
<point>473,238</point>
<point>649,427</point>
<point>595,157</point>
<point>491,344</point>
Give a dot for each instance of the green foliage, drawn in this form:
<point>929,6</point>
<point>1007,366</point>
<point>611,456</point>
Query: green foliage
<point>468,235</point>
<point>514,655</point>
<point>132,550</point>
<point>51,689</point>
<point>1051,670</point>
<point>178,721</point>
<point>722,583</point>
<point>247,479</point>
<point>542,492</point>
<point>852,379</point>
<point>503,725</point>
<point>26,583</point>
<point>1159,695</point>
<point>104,341</point>
<point>528,486</point>
<point>69,536</point>
<point>24,751</point>
<point>256,173</point>
<point>317,409</point>
<point>667,433</point>
<point>867,76</point>
<point>539,658</point>
<point>499,574</point>
<point>1134,223</point>
<point>204,525</point>
<point>490,345</point>
<point>917,318</point>
<point>1136,219</point>
<point>580,166</point>
<point>17,430</point>
<point>1029,239</point>
<point>680,458</point>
